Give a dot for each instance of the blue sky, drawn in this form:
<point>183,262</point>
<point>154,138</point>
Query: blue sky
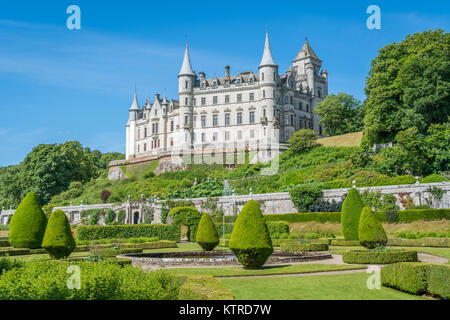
<point>58,84</point>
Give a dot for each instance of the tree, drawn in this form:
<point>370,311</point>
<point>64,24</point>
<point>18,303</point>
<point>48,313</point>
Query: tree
<point>11,186</point>
<point>302,139</point>
<point>104,195</point>
<point>27,226</point>
<point>250,240</point>
<point>351,210</point>
<point>370,231</point>
<point>58,239</point>
<point>340,114</point>
<point>207,236</point>
<point>305,195</point>
<point>408,86</point>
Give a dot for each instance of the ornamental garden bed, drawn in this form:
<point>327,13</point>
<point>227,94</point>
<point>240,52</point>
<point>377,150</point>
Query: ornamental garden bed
<point>372,257</point>
<point>298,247</point>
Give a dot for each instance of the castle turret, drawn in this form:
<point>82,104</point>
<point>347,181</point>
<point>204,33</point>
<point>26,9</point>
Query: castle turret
<point>131,127</point>
<point>186,79</point>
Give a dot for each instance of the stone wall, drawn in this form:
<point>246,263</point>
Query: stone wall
<point>271,203</point>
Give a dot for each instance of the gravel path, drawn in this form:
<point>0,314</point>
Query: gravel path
<point>426,257</point>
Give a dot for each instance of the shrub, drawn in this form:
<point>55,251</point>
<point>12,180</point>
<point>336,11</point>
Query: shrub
<point>370,230</point>
<point>350,214</point>
<point>423,214</point>
<point>188,216</point>
<point>9,264</point>
<point>250,240</point>
<point>286,246</point>
<point>100,281</point>
<point>302,139</point>
<point>110,216</point>
<point>305,195</point>
<point>121,217</point>
<point>28,224</point>
<point>345,243</point>
<point>371,257</point>
<point>207,236</point>
<point>423,242</point>
<point>94,218</point>
<point>304,217</point>
<point>418,278</point>
<point>58,238</point>
<point>162,231</point>
<point>277,228</point>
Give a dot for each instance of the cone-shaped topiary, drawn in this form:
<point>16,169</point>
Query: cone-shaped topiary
<point>351,210</point>
<point>250,240</point>
<point>27,226</point>
<point>371,232</point>
<point>58,238</point>
<point>207,236</point>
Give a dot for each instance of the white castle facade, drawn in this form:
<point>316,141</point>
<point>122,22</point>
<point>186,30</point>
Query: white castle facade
<point>245,112</point>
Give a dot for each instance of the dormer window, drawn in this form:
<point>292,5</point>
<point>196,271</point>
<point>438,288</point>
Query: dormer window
<point>202,85</point>
<point>214,83</point>
<point>250,80</point>
<point>238,81</point>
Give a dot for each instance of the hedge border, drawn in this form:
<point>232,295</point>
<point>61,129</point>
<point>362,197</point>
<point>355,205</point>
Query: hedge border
<point>371,257</point>
<point>286,246</point>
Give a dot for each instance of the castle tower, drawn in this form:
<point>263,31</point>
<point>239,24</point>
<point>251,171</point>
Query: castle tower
<point>131,127</point>
<point>186,79</point>
<point>268,78</point>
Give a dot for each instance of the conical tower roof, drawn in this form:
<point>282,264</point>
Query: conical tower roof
<point>186,68</point>
<point>306,51</point>
<point>267,59</point>
<point>135,104</point>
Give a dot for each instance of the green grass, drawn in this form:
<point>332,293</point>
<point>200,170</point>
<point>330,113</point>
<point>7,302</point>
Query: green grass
<point>267,270</point>
<point>322,287</point>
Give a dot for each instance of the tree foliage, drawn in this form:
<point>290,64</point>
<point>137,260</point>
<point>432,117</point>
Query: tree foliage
<point>340,114</point>
<point>408,86</point>
<point>302,139</point>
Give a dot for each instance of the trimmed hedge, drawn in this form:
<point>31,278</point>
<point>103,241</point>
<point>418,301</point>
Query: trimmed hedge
<point>58,238</point>
<point>371,257</point>
<point>277,227</point>
<point>188,216</point>
<point>410,215</point>
<point>207,236</point>
<point>28,223</point>
<point>370,231</point>
<point>250,240</point>
<point>14,252</point>
<point>4,243</point>
<point>350,213</point>
<point>345,243</point>
<point>304,217</point>
<point>418,278</point>
<point>286,246</point>
<point>144,246</point>
<point>162,231</point>
<point>423,242</point>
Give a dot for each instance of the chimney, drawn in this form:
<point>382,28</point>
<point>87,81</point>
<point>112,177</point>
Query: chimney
<point>227,71</point>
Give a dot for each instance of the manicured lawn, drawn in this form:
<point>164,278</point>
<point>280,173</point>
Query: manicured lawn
<point>321,287</point>
<point>268,270</point>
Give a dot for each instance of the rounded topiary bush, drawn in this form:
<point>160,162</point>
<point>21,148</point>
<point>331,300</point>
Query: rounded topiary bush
<point>370,230</point>
<point>27,226</point>
<point>351,211</point>
<point>58,238</point>
<point>250,240</point>
<point>207,236</point>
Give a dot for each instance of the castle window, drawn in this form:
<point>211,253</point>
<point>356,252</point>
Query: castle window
<point>252,96</point>
<point>186,84</point>
<point>186,101</point>
<point>203,121</point>
<point>215,100</point>
<point>239,134</point>
<point>171,141</point>
<point>227,99</point>
<point>215,136</point>
<point>215,120</point>
<point>227,135</point>
<point>300,105</point>
<point>171,125</point>
<point>215,83</point>
<point>239,118</point>
<point>138,148</point>
<point>186,120</point>
<point>252,116</point>
<point>262,76</point>
<point>252,134</point>
<point>202,85</point>
<point>238,81</point>
<point>203,137</point>
<point>286,99</point>
<point>227,119</point>
<point>239,97</point>
<point>250,80</point>
<point>319,92</point>
<point>195,102</point>
<point>264,93</point>
<point>264,113</point>
<point>194,121</point>
<point>265,131</point>
<point>307,108</point>
<point>203,101</point>
<point>145,132</point>
<point>292,120</point>
<point>145,147</point>
<point>274,77</point>
<point>291,100</point>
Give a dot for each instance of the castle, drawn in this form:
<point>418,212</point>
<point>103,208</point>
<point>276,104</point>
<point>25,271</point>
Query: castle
<point>245,112</point>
